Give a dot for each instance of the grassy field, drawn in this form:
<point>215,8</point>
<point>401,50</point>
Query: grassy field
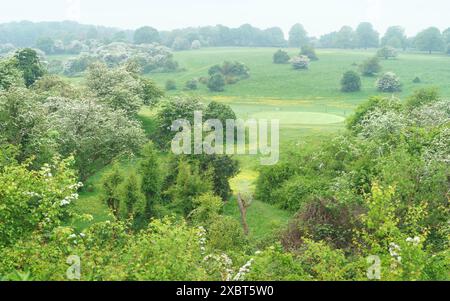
<point>308,104</point>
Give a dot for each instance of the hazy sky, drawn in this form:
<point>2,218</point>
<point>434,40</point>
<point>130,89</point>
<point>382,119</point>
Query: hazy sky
<point>318,16</point>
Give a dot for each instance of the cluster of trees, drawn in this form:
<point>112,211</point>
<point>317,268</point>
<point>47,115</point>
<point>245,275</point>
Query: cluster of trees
<point>307,54</point>
<point>228,73</point>
<point>370,193</point>
<point>430,39</point>
<point>379,190</point>
<point>27,34</point>
<point>43,115</point>
<point>219,76</point>
<point>147,57</point>
<point>373,190</point>
<point>388,82</point>
<point>74,38</point>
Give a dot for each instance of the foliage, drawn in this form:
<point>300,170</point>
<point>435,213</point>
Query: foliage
<point>371,66</point>
<point>226,234</point>
<point>395,37</point>
<point>207,209</point>
<point>77,65</point>
<point>298,36</point>
<point>389,82</point>
<point>119,88</point>
<point>28,62</point>
<point>220,111</point>
<point>227,73</point>
<point>345,38</point>
<point>422,97</point>
<point>310,52</point>
<point>35,201</point>
<point>223,169</point>
<point>97,135</point>
<point>387,52</point>
<point>150,172</point>
<point>181,43</point>
<point>216,83</point>
<point>146,35</point>
<point>111,184</point>
<point>300,62</point>
<point>189,184</point>
<point>132,200</point>
<point>151,93</point>
<point>192,84</point>
<point>46,44</point>
<point>429,40</point>
<point>171,110</point>
<point>22,124</point>
<point>366,36</point>
<point>171,85</point>
<point>52,85</point>
<point>350,82</point>
<point>281,57</point>
<point>9,74</point>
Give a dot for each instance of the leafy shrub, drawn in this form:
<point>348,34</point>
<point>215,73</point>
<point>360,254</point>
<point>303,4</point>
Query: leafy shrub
<point>274,263</point>
<point>387,52</point>
<point>300,62</point>
<point>207,209</point>
<point>9,75</point>
<point>422,97</point>
<point>389,82</point>
<point>41,198</point>
<point>310,52</point>
<point>52,85</point>
<point>374,103</point>
<point>192,84</point>
<point>151,94</point>
<point>350,82</point>
<point>370,67</point>
<point>225,233</point>
<point>281,57</point>
<point>216,83</point>
<point>76,66</point>
<point>322,220</point>
<point>229,72</point>
<point>171,85</point>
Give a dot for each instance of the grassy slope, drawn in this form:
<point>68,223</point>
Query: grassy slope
<point>277,91</point>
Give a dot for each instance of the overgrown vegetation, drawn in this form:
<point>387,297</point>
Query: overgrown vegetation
<point>378,188</point>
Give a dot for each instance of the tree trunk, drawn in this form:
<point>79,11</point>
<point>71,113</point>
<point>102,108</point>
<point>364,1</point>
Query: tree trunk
<point>243,210</point>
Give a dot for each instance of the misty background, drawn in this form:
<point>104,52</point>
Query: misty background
<point>318,17</point>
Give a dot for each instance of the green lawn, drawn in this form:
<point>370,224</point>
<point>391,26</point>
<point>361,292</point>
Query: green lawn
<point>308,104</point>
<point>319,86</point>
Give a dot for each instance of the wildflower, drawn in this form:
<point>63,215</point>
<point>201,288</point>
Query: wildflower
<point>394,250</point>
<point>64,202</point>
<point>243,270</point>
<point>415,241</point>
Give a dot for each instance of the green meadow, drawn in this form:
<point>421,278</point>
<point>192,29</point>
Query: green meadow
<point>309,105</point>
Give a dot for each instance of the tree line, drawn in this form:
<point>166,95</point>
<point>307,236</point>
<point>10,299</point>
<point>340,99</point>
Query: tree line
<point>45,35</point>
